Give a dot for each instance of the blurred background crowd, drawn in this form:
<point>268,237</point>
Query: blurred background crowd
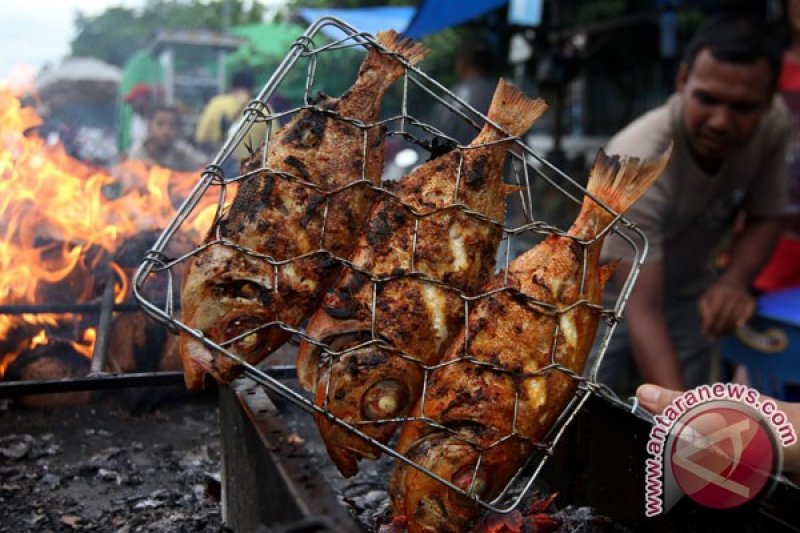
<point>599,63</point>
<point>165,81</point>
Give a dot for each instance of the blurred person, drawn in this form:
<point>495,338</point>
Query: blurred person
<point>729,133</point>
<point>162,145</point>
<point>142,99</point>
<point>475,65</point>
<point>783,268</point>
<point>222,111</point>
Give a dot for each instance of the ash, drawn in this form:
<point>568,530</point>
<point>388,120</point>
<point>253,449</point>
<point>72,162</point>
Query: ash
<point>98,468</point>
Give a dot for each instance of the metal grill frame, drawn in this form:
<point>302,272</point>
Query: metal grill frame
<point>257,111</point>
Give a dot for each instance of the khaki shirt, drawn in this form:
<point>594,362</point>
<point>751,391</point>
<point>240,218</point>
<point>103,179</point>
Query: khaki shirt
<point>687,213</point>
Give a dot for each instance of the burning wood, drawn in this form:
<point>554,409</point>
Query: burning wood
<point>55,360</point>
<point>60,222</point>
<point>140,344</point>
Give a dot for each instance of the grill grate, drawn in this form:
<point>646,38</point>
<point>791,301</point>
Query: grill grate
<point>528,170</point>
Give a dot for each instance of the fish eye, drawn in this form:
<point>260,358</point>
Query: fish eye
<point>249,290</point>
<point>241,325</point>
<point>385,399</point>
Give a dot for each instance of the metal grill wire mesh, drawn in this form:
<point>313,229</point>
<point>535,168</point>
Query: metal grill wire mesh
<point>528,170</point>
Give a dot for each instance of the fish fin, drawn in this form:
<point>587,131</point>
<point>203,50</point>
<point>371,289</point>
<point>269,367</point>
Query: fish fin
<point>412,51</point>
<point>620,181</point>
<point>512,110</point>
<point>606,271</point>
<point>509,189</point>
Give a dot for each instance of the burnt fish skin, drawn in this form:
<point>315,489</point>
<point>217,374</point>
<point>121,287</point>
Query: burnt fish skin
<point>519,338</point>
<point>375,384</point>
<point>231,296</point>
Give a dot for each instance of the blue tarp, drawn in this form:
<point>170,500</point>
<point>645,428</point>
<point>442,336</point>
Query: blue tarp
<point>368,19</point>
<point>783,305</point>
<point>436,15</point>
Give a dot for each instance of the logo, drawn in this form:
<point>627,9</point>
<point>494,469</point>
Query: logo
<point>720,445</point>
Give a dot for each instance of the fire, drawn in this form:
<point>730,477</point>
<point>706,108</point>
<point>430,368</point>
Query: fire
<point>61,221</point>
<point>40,339</point>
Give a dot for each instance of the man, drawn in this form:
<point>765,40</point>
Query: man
<point>730,136</point>
<point>142,98</point>
<point>162,146</point>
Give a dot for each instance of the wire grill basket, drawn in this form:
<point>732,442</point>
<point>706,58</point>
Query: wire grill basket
<point>524,225</point>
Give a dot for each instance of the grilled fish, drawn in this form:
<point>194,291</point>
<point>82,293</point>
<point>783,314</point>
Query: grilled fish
<point>496,410</point>
<point>291,211</point>
<point>413,243</point>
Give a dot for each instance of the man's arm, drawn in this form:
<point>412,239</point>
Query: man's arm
<point>728,303</point>
<point>647,326</point>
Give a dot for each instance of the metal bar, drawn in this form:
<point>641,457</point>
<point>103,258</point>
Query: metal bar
<point>77,308</point>
<point>266,479</point>
<point>113,381</point>
<point>97,382</point>
<point>100,351</point>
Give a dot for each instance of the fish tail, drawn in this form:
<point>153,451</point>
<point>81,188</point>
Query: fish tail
<point>620,181</point>
<point>410,50</point>
<point>512,110</point>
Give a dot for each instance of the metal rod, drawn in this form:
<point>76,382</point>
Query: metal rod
<point>82,308</point>
<point>114,381</point>
<point>100,351</point>
<point>97,382</point>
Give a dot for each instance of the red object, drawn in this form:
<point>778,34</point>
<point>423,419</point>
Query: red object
<point>398,525</point>
<point>140,90</point>
<point>541,523</point>
<point>790,75</point>
<point>722,457</point>
<point>540,505</point>
<point>783,269</point>
<point>537,519</point>
<point>500,523</point>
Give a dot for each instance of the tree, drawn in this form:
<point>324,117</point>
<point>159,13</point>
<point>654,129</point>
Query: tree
<point>117,33</point>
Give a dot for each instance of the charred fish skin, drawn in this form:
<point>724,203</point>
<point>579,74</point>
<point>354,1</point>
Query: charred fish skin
<point>547,316</point>
<point>449,252</point>
<point>300,211</point>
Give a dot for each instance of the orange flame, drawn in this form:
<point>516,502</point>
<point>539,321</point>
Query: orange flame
<point>59,217</point>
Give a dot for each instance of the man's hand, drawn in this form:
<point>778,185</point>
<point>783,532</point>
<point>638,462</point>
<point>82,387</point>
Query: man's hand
<point>727,304</point>
<point>655,399</point>
<point>724,307</point>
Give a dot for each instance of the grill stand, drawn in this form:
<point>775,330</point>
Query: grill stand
<point>600,461</point>
<point>267,480</point>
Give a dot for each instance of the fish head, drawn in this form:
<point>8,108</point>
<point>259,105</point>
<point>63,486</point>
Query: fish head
<point>371,388</point>
<point>431,505</point>
<point>226,297</point>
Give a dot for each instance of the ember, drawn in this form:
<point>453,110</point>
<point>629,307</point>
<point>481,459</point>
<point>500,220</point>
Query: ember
<point>61,222</point>
<point>542,516</point>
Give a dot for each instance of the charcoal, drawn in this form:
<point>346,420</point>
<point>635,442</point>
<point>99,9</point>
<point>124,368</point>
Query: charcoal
<point>15,446</point>
<point>94,468</point>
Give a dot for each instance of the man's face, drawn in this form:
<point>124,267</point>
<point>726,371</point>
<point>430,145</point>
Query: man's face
<point>724,104</point>
<point>142,104</point>
<point>162,129</point>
